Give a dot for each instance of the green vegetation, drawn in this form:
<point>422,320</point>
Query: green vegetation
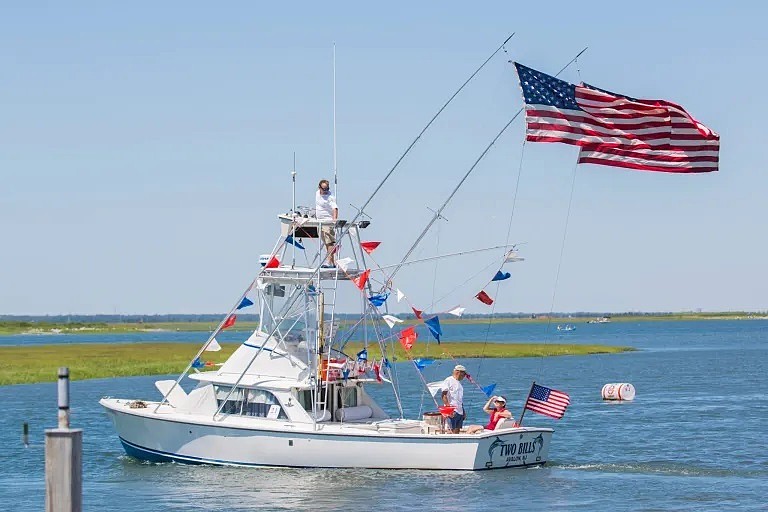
<point>27,365</point>
<point>8,327</point>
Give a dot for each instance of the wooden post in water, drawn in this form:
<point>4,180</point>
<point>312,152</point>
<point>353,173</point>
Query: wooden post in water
<point>63,458</point>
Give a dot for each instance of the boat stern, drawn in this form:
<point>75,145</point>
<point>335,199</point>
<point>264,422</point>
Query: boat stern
<point>520,447</point>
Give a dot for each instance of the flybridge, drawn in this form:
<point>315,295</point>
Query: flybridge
<point>308,227</point>
<point>302,232</point>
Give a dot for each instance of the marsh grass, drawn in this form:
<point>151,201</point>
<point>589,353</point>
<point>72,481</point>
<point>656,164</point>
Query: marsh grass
<point>27,365</point>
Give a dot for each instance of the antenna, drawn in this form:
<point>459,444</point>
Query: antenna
<point>335,178</point>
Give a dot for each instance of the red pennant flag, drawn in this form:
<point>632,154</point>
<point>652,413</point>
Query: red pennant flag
<point>484,297</point>
<point>362,279</point>
<point>273,262</point>
<point>229,322</point>
<point>377,371</point>
<point>408,337</point>
<point>417,312</point>
<point>369,247</point>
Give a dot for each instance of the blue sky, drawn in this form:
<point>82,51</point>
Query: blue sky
<point>145,150</point>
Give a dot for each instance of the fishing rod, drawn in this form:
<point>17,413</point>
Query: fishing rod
<point>439,211</point>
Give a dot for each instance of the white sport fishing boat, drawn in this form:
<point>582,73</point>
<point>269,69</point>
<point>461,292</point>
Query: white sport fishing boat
<point>290,396</point>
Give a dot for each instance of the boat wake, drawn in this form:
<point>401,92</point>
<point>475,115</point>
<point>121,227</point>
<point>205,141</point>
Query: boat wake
<point>661,468</point>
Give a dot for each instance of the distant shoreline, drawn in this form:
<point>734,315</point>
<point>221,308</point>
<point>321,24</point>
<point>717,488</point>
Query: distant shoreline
<point>8,327</point>
<point>35,364</point>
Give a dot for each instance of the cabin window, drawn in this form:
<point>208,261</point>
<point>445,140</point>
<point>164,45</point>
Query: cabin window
<point>234,403</point>
<point>250,402</point>
<point>305,398</point>
<point>263,404</point>
<point>348,397</point>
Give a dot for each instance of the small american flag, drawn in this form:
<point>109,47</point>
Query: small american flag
<point>616,130</point>
<point>546,401</point>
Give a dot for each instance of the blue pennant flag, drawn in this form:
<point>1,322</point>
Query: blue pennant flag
<point>422,363</point>
<point>362,355</point>
<point>378,300</point>
<point>345,373</point>
<point>501,276</point>
<point>489,389</point>
<point>386,363</point>
<point>433,324</point>
<point>197,363</point>
<point>289,240</point>
<point>245,303</point>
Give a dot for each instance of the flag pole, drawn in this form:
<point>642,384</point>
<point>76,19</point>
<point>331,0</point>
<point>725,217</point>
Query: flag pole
<point>520,423</point>
<point>293,209</point>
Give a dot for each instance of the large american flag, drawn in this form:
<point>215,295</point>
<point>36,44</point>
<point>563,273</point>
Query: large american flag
<point>616,130</point>
<point>546,401</point>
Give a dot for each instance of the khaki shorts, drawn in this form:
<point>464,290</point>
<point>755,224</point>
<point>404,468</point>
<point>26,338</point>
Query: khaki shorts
<point>328,235</point>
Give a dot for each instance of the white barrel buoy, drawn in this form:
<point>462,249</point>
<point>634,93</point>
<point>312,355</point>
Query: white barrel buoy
<point>618,391</point>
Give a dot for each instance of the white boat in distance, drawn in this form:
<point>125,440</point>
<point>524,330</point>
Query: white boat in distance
<point>290,396</point>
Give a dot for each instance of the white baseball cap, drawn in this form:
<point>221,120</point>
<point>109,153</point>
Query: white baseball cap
<point>500,399</point>
<point>459,368</point>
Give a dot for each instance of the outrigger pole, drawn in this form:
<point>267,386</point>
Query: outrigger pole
<point>461,253</point>
<point>408,149</point>
<point>439,211</point>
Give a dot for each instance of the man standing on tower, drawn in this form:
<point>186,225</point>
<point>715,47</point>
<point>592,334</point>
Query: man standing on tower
<point>326,210</point>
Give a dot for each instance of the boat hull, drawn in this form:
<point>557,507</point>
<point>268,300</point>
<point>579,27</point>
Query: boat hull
<point>193,439</point>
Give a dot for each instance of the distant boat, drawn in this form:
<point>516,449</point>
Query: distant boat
<point>600,320</point>
<point>566,327</point>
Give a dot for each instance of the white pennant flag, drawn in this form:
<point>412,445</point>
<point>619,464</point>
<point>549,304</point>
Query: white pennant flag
<point>344,263</point>
<point>457,311</point>
<point>261,285</point>
<point>391,320</point>
<point>435,388</point>
<point>512,256</point>
<point>213,346</point>
<point>400,295</point>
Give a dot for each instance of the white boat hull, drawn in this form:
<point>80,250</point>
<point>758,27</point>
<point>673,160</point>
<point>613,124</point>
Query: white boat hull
<point>167,435</point>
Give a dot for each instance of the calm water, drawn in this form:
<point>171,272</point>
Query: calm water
<point>694,438</point>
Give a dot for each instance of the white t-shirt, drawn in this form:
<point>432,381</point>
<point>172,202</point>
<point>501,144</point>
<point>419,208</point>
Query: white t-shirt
<point>455,393</point>
<point>324,206</point>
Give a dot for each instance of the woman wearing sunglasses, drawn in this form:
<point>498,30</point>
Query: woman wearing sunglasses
<point>497,408</point>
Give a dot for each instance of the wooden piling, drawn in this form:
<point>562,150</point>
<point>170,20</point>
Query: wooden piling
<point>63,458</point>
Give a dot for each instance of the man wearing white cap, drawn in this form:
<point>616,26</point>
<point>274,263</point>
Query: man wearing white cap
<point>453,395</point>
